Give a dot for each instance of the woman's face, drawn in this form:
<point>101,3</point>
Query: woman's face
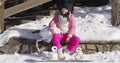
<point>64,10</point>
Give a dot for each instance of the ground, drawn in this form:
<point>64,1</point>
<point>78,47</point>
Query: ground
<point>93,23</point>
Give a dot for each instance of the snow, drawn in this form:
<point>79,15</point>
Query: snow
<point>93,23</point>
<point>107,57</point>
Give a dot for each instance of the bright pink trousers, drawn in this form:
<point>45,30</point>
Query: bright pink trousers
<point>73,44</point>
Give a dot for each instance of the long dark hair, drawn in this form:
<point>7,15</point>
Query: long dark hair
<point>65,15</point>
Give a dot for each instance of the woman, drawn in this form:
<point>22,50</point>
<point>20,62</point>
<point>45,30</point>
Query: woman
<point>64,20</point>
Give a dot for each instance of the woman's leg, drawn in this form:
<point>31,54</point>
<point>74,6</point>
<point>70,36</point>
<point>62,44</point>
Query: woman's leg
<point>56,40</point>
<point>74,42</point>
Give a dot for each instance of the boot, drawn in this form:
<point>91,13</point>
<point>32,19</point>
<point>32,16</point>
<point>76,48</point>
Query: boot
<point>78,53</point>
<point>68,52</point>
<point>61,57</point>
<point>60,54</point>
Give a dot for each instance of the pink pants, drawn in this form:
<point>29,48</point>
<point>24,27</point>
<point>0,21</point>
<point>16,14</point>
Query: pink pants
<point>58,38</point>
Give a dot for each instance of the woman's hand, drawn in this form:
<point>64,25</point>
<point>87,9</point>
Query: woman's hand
<point>52,31</point>
<point>67,39</point>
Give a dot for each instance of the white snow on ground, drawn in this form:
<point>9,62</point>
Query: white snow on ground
<point>93,23</point>
<point>107,57</point>
<point>24,30</point>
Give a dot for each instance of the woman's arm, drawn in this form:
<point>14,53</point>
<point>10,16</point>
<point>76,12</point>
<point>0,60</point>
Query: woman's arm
<point>52,24</point>
<point>72,26</point>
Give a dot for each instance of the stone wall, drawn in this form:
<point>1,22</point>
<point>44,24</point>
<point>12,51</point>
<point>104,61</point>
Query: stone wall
<point>22,45</point>
<point>100,47</point>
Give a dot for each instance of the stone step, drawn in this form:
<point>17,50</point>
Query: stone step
<point>23,45</point>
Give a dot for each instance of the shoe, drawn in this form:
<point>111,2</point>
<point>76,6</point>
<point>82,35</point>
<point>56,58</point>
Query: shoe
<point>68,52</point>
<point>78,54</point>
<point>61,57</point>
<point>68,55</point>
<point>53,55</point>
